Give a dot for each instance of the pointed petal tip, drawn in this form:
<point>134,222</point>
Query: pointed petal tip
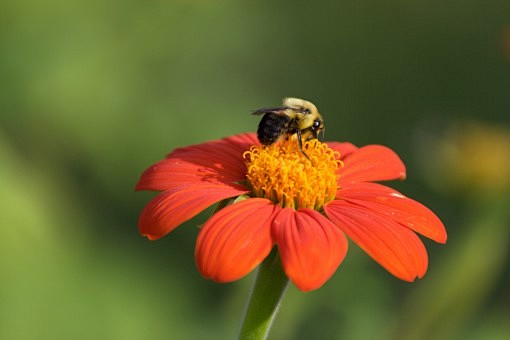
<point>440,235</point>
<point>444,239</point>
<point>306,287</point>
<point>411,277</point>
<point>139,186</point>
<point>151,237</point>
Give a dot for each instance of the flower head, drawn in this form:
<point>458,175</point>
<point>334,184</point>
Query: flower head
<point>305,205</point>
<point>282,174</point>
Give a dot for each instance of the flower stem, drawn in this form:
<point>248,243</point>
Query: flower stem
<point>265,297</point>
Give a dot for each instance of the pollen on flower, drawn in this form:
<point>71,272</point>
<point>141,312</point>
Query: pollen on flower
<point>283,174</point>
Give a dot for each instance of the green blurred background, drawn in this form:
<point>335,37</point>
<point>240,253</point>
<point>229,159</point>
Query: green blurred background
<point>93,92</point>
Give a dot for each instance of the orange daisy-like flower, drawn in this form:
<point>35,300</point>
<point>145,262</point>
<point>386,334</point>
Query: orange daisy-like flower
<point>302,204</point>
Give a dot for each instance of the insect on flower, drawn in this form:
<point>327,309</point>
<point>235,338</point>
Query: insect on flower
<point>276,199</point>
<point>297,119</point>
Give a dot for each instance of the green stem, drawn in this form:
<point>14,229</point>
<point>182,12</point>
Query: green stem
<point>265,297</point>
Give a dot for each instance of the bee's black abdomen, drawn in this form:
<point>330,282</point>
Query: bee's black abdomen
<point>271,127</point>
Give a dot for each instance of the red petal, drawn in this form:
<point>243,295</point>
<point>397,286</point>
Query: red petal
<point>310,246</point>
<point>172,207</point>
<point>235,240</point>
<point>393,246</point>
<point>345,148</point>
<point>371,163</point>
<point>219,161</point>
<point>390,203</point>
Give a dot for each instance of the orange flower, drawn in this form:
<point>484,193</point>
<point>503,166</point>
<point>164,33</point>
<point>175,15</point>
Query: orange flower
<point>303,205</point>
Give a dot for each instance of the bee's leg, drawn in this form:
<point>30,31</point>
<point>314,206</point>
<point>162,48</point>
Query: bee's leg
<point>300,143</point>
<point>321,135</point>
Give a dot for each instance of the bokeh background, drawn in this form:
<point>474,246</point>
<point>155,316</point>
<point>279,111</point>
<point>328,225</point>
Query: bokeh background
<point>93,92</point>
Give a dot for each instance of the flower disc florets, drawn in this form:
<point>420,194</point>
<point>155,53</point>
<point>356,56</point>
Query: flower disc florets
<point>284,175</point>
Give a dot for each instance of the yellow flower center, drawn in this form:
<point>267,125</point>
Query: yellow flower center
<point>283,174</point>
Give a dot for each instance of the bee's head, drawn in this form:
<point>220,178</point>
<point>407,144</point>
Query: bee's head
<point>317,128</point>
<point>310,118</point>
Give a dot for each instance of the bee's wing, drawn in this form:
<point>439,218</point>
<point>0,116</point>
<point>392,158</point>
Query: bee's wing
<point>277,110</point>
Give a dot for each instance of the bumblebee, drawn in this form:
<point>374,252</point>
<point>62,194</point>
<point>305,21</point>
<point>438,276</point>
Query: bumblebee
<point>297,119</point>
